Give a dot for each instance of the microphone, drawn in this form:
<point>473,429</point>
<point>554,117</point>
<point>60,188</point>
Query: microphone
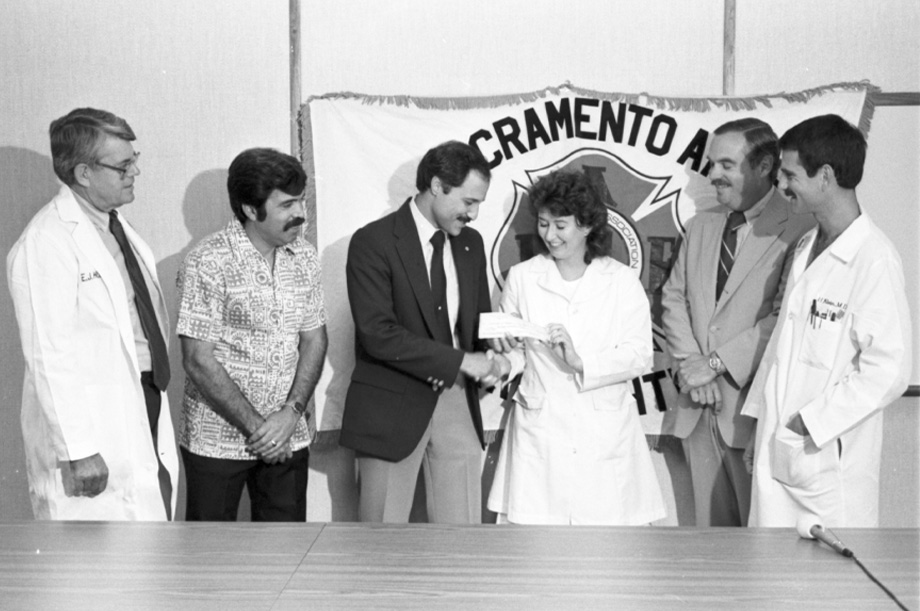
<point>809,528</point>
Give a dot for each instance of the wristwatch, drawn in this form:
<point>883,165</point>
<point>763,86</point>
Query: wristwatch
<point>298,407</point>
<point>715,363</point>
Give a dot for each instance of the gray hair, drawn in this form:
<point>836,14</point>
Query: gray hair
<point>77,136</point>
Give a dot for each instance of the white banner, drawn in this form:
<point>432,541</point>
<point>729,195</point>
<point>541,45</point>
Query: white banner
<point>646,154</point>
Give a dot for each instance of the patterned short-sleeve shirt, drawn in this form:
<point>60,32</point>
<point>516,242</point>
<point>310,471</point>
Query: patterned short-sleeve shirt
<point>229,296</point>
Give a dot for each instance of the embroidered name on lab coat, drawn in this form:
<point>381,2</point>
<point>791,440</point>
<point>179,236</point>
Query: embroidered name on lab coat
<point>87,276</point>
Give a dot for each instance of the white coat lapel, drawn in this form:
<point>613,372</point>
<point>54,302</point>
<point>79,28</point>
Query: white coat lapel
<point>86,237</point>
<point>548,276</point>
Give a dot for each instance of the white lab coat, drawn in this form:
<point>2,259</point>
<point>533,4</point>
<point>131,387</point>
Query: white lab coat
<point>82,393</point>
<point>839,354</point>
<point>574,451</point>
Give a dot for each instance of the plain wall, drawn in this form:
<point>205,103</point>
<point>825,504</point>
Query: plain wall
<point>198,82</point>
<point>201,81</point>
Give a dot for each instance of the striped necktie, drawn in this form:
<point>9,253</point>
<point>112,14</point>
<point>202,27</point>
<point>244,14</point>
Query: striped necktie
<point>727,250</point>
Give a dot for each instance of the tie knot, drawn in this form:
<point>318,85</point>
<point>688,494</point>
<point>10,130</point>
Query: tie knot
<point>735,219</point>
<point>437,240</point>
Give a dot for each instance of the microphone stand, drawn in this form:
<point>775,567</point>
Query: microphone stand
<point>846,552</point>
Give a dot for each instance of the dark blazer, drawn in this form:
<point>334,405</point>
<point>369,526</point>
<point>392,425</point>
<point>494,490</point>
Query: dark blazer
<point>389,401</point>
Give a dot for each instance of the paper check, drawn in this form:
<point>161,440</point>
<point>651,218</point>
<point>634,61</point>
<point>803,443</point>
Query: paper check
<point>499,324</point>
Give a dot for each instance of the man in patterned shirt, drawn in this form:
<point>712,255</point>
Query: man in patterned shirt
<point>252,327</point>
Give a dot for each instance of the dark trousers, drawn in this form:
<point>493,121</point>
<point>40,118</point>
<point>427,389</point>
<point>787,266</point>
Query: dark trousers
<point>154,400</point>
<point>214,486</point>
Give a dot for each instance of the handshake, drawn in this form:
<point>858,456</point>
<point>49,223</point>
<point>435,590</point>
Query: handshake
<point>487,368</point>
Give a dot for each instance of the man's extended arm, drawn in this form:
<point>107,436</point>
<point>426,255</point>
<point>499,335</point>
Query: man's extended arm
<point>383,335</point>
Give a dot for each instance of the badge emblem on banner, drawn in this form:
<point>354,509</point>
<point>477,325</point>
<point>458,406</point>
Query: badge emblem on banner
<point>644,216</point>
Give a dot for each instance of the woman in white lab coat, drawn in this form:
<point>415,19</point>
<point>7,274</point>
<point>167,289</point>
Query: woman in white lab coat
<point>574,451</point>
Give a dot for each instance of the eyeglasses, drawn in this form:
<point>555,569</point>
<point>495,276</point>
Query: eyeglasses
<point>122,170</point>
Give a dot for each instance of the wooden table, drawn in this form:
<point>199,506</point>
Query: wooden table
<point>46,565</point>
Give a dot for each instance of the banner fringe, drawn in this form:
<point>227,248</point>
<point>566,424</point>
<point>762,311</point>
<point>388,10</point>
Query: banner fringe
<point>868,111</point>
<point>694,104</point>
<point>307,160</point>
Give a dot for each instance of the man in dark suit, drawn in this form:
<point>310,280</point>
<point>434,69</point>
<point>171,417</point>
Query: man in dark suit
<point>720,306</point>
<point>414,394</point>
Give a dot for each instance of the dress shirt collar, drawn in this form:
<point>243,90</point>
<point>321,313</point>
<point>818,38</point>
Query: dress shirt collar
<point>423,226</point>
<point>848,243</point>
<point>99,218</point>
<point>244,245</point>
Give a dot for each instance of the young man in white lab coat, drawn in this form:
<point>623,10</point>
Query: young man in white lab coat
<point>95,420</point>
<point>841,348</point>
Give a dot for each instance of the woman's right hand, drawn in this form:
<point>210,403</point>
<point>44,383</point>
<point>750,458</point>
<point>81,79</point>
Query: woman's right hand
<point>563,347</point>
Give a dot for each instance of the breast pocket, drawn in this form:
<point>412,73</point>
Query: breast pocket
<point>821,339</point>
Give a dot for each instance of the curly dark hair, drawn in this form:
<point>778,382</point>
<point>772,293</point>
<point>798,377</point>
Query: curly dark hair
<point>563,193</point>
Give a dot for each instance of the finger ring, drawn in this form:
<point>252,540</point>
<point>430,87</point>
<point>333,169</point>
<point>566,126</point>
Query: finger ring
<point>274,443</point>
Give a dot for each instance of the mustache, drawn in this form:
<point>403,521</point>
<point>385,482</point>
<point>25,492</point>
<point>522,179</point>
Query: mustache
<point>294,222</point>
<point>464,218</point>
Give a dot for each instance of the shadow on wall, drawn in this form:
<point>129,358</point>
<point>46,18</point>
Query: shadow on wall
<point>205,209</point>
<point>28,183</point>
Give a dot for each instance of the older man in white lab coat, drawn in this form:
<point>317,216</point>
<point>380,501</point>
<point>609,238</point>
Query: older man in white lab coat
<point>841,348</point>
<point>96,428</point>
